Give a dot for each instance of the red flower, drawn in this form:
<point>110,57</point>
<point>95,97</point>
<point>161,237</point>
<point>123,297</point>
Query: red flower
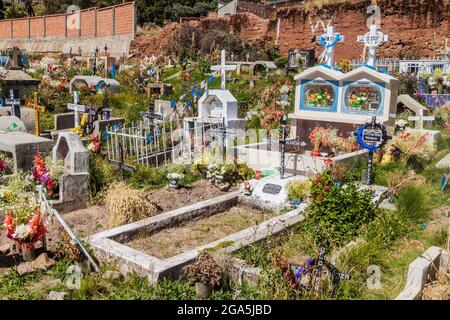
<point>327,161</point>
<point>9,224</point>
<point>326,188</point>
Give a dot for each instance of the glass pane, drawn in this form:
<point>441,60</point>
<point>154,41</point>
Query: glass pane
<point>364,98</point>
<point>319,95</point>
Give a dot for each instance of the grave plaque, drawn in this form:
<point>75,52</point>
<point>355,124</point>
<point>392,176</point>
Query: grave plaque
<point>272,188</point>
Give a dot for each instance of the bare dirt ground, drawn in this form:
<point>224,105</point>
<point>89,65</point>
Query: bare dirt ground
<point>170,242</point>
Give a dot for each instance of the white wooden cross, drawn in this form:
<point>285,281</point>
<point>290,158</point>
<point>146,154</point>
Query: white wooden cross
<point>75,107</point>
<point>372,40</point>
<point>420,119</point>
<point>222,68</point>
<point>328,40</point>
<point>14,104</point>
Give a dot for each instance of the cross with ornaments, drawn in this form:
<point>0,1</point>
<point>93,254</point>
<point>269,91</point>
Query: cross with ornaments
<point>222,68</point>
<point>329,40</point>
<point>76,108</point>
<point>14,104</point>
<point>372,40</point>
<point>34,104</point>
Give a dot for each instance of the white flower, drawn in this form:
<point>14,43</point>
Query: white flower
<point>175,176</point>
<point>22,231</point>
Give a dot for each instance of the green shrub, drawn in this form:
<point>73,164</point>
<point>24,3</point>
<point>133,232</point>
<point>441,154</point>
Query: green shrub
<point>101,174</point>
<point>336,214</point>
<point>414,202</point>
<point>386,228</point>
<point>298,190</point>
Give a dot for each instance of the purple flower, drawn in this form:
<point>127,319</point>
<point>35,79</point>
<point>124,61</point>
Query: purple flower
<point>309,262</point>
<point>45,178</point>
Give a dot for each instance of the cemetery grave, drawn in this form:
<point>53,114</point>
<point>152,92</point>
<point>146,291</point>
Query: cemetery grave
<point>307,171</point>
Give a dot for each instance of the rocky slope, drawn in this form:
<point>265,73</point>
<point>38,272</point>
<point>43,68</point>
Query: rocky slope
<point>416,27</point>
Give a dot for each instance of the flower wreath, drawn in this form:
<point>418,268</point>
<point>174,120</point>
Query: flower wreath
<point>359,138</point>
<point>335,41</point>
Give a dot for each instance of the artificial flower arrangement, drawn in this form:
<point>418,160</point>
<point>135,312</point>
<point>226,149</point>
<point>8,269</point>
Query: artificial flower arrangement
<point>95,144</point>
<point>408,144</point>
<point>320,138</point>
<point>444,114</point>
<point>358,100</point>
<point>248,188</point>
<point>271,117</point>
<point>341,144</point>
<point>24,225</point>
<point>6,165</point>
<point>47,172</point>
<point>322,98</point>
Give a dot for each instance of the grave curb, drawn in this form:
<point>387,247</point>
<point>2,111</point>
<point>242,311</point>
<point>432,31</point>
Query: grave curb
<point>419,271</point>
<point>107,248</point>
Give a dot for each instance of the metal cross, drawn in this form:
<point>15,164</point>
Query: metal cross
<point>328,40</point>
<point>75,107</point>
<point>372,40</point>
<point>34,104</point>
<point>14,104</point>
<point>222,68</point>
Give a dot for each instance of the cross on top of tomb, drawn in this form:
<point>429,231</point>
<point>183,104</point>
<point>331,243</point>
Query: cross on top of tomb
<point>76,107</point>
<point>14,104</point>
<point>222,68</point>
<point>34,104</point>
<point>329,40</point>
<point>372,40</point>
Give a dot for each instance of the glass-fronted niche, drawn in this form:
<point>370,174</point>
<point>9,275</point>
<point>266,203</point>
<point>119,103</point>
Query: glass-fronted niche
<point>319,95</point>
<point>363,98</point>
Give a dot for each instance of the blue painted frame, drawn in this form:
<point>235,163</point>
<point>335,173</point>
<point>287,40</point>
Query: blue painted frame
<point>378,112</point>
<point>335,86</point>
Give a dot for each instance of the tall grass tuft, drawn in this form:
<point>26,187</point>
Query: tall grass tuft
<point>414,202</point>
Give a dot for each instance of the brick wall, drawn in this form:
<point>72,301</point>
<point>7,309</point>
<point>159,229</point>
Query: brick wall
<point>115,20</point>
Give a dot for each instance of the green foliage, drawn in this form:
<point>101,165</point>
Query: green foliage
<point>386,228</point>
<point>337,213</point>
<point>101,174</point>
<point>298,190</point>
<point>413,202</point>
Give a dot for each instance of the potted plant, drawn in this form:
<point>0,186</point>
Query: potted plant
<point>206,273</point>
<point>174,179</point>
<point>298,191</point>
<point>24,225</point>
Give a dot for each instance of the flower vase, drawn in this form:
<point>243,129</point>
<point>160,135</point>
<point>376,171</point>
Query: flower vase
<point>173,184</point>
<point>316,150</point>
<point>202,290</point>
<point>28,253</point>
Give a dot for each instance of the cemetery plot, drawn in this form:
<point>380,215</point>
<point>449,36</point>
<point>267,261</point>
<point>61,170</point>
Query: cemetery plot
<point>167,242</point>
<point>170,242</point>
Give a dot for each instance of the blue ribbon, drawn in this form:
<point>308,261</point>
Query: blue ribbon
<point>173,104</point>
<point>188,104</point>
<point>211,78</point>
<point>335,41</point>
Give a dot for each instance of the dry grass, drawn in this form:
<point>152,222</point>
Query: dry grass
<point>126,205</point>
<point>170,242</point>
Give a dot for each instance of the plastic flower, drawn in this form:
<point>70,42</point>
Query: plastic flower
<point>22,231</point>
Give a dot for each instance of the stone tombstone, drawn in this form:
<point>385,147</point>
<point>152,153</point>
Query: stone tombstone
<point>71,150</point>
<point>12,124</point>
<point>270,193</point>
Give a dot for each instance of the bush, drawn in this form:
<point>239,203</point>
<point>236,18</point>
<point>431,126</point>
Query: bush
<point>386,228</point>
<point>413,202</point>
<point>336,214</point>
<point>298,190</point>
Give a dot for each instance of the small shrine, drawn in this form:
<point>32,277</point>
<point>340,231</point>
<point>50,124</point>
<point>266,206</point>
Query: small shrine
<point>326,97</point>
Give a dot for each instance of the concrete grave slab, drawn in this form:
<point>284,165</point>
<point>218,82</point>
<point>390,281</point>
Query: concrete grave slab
<point>23,147</point>
<point>270,193</point>
<point>444,162</point>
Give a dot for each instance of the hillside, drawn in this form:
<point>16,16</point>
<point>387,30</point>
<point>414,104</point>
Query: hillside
<point>416,27</point>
